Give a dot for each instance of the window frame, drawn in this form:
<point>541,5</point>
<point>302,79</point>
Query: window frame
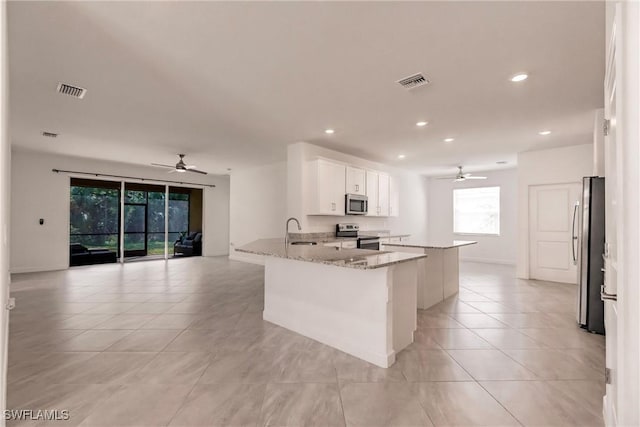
<point>463,233</point>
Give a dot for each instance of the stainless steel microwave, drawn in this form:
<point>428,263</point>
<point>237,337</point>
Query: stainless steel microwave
<point>356,204</point>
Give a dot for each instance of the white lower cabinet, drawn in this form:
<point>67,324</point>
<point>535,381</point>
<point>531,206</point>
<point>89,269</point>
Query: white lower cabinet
<point>351,244</point>
<point>326,188</point>
<point>333,244</point>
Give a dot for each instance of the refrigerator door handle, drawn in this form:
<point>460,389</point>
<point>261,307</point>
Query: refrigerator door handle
<point>574,238</point>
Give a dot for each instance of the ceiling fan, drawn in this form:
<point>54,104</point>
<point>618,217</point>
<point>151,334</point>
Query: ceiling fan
<point>181,166</point>
<point>462,176</point>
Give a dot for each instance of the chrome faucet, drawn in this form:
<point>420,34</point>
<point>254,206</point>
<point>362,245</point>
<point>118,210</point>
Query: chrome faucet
<point>286,230</point>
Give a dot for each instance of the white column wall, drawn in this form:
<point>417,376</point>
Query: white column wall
<point>5,180</point>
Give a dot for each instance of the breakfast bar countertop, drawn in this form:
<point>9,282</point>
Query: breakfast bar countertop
<point>351,258</point>
<point>432,245</point>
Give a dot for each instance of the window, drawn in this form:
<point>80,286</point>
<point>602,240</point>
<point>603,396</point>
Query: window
<point>476,210</point>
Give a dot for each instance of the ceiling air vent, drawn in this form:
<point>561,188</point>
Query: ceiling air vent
<point>414,81</point>
<point>50,134</point>
<point>75,91</point>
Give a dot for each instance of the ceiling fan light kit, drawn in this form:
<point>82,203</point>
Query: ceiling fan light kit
<point>460,177</point>
<point>180,167</point>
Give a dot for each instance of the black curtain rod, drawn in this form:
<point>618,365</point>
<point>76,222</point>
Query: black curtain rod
<point>130,177</point>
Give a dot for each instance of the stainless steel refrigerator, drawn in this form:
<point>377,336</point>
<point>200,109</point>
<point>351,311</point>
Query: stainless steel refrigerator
<point>588,239</point>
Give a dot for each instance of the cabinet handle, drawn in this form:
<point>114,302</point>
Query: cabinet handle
<point>333,206</point>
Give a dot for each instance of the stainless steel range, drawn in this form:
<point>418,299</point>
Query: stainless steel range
<point>353,230</point>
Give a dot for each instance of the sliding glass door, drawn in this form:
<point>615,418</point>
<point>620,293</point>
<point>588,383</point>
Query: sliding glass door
<point>94,217</point>
<point>96,223</point>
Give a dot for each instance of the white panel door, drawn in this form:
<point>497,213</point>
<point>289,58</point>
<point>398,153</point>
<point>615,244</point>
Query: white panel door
<point>552,250</point>
<point>613,170</point>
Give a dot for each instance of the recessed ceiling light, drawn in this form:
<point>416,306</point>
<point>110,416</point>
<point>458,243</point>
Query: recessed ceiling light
<point>329,131</point>
<point>520,77</point>
<point>544,132</point>
<point>448,140</point>
<point>401,156</point>
<point>422,124</point>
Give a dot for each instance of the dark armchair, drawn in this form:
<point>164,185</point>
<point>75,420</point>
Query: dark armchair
<point>190,245</point>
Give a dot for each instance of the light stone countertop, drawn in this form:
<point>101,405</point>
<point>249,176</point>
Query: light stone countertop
<point>433,245</point>
<point>381,234</point>
<point>351,258</point>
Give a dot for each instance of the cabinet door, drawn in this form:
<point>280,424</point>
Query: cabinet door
<point>394,197</point>
<point>337,189</point>
<point>356,180</point>
<point>372,193</point>
<point>351,244</point>
<point>383,194</point>
<point>328,185</point>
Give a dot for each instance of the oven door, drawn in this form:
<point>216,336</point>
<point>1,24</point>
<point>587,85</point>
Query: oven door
<point>372,244</point>
<point>356,204</point>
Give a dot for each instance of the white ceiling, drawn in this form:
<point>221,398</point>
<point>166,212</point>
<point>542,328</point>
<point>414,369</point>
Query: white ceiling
<point>231,84</point>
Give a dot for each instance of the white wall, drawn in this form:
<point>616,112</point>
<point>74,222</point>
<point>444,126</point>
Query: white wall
<point>5,177</point>
<point>257,206</point>
<point>554,166</point>
<point>495,249</point>
<point>413,190</point>
<point>37,192</point>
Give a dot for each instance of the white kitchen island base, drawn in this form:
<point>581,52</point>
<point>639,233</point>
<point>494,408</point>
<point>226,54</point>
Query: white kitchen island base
<point>368,313</point>
<point>439,273</point>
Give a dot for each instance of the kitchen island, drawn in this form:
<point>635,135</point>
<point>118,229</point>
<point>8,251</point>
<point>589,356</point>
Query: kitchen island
<point>359,301</point>
<point>438,274</point>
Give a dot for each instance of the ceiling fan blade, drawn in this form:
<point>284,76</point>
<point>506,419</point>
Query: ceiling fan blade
<point>196,171</point>
<point>475,177</point>
<point>163,166</point>
<point>190,166</point>
<point>174,170</point>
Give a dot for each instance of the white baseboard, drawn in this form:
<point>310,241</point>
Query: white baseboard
<point>488,260</point>
<point>20,270</point>
<point>608,413</point>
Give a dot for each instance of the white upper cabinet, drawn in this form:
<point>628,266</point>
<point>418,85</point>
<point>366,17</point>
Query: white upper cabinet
<point>372,193</point>
<point>356,180</point>
<point>394,197</point>
<point>383,194</point>
<point>327,187</point>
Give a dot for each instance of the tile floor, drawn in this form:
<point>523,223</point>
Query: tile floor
<point>183,343</point>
